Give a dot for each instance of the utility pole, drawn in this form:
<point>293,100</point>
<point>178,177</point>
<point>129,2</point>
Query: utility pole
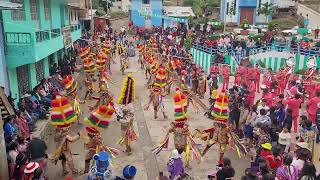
<point>91,22</point>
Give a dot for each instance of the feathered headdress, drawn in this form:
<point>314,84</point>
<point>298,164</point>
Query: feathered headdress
<point>220,110</point>
<point>99,119</point>
<point>88,65</point>
<point>160,79</point>
<point>180,107</point>
<point>62,113</point>
<point>100,62</point>
<point>128,91</point>
<point>84,52</point>
<point>70,85</point>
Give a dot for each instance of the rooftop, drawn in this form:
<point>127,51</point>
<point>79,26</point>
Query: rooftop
<point>178,11</point>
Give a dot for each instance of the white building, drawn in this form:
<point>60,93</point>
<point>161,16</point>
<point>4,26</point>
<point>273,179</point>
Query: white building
<point>235,11</point>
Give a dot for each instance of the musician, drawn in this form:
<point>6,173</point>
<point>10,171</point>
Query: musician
<point>312,106</point>
<point>257,74</point>
<point>294,104</point>
<point>252,92</point>
<point>244,75</point>
<point>226,69</point>
<point>237,77</point>
<point>268,78</point>
<point>308,78</point>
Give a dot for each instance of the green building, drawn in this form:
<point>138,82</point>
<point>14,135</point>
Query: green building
<point>36,36</point>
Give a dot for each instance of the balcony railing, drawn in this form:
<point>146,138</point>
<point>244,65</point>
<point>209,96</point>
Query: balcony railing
<point>18,38</point>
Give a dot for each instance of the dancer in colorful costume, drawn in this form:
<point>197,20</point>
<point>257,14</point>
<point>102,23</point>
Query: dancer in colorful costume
<point>89,65</point>
<point>127,133</point>
<point>126,117</point>
<point>183,140</point>
<point>221,133</point>
<point>70,87</point>
<point>96,122</point>
<point>62,116</point>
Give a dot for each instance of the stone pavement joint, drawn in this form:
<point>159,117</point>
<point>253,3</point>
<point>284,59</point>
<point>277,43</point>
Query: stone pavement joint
<point>151,163</point>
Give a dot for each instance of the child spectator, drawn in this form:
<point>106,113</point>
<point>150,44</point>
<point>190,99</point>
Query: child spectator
<point>286,171</point>
<point>227,171</point>
<point>285,140</point>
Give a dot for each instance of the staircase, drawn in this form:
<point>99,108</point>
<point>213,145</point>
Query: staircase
<point>5,107</point>
<point>5,110</point>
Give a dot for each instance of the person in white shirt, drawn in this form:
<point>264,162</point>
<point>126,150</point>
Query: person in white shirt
<point>285,139</point>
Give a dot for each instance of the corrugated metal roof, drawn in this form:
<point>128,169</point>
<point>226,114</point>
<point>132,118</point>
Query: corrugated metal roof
<point>178,11</point>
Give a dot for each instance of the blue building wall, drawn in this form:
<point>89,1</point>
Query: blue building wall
<point>156,7</point>
<point>248,3</point>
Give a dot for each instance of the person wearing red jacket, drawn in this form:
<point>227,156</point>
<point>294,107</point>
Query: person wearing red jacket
<point>268,78</point>
<point>294,104</point>
<point>244,75</point>
<point>257,74</point>
<point>312,107</point>
<point>225,75</point>
<point>237,77</point>
<point>252,92</point>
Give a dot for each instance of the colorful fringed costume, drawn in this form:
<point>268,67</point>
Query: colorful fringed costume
<point>71,91</point>
<point>183,140</point>
<point>220,111</point>
<point>70,85</point>
<point>88,65</point>
<point>96,122</point>
<point>62,116</point>
<point>127,91</point>
<point>127,133</point>
<point>221,132</point>
<point>161,77</point>
<point>101,62</point>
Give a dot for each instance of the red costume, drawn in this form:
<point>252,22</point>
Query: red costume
<point>215,70</point>
<point>312,107</point>
<point>244,75</point>
<point>252,93</point>
<point>308,81</point>
<point>268,96</point>
<point>257,74</point>
<point>267,79</point>
<point>294,105</point>
<point>225,74</point>
<point>237,77</point>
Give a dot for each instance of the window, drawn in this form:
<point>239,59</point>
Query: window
<point>46,9</point>
<point>17,15</point>
<point>66,13</point>
<point>34,10</point>
<point>227,9</point>
<point>55,33</point>
<point>146,1</point>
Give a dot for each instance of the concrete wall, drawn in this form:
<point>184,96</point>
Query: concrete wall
<point>314,17</point>
<point>4,82</point>
<point>22,47</point>
<point>156,8</point>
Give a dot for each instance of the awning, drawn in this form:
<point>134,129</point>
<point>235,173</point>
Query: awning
<point>4,5</point>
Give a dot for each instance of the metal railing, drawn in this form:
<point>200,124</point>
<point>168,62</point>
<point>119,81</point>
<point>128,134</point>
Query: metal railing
<point>310,51</point>
<point>18,38</point>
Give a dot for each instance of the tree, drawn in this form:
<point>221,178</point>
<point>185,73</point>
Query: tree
<point>200,7</point>
<point>266,9</point>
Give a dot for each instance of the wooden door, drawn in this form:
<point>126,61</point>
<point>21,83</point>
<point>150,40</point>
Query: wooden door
<point>246,13</point>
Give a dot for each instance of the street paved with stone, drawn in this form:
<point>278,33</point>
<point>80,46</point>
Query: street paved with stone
<point>150,132</point>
